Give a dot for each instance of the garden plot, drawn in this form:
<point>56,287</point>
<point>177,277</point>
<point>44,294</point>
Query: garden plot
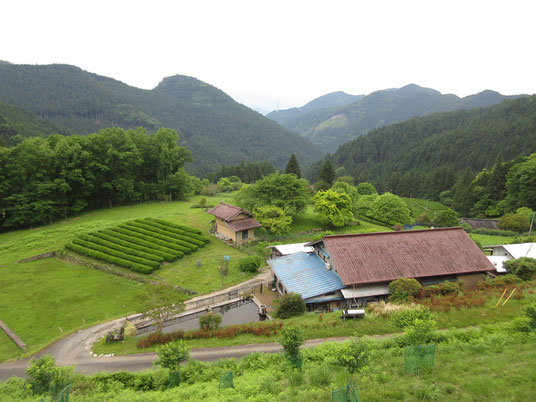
<point>141,245</point>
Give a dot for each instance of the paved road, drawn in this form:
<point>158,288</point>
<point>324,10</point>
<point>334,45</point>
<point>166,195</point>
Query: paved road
<point>75,349</point>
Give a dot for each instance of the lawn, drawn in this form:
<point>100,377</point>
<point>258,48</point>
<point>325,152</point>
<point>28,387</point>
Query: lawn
<point>487,240</point>
<point>419,205</point>
<point>40,297</point>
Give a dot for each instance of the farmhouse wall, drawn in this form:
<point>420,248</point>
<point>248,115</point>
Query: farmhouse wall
<point>471,280</point>
<point>221,227</point>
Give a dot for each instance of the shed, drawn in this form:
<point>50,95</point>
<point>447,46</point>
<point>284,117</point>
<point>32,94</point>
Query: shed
<point>233,224</point>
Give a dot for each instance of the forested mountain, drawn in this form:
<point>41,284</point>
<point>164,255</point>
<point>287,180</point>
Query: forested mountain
<point>331,127</point>
<point>17,124</point>
<point>217,129</point>
<point>334,99</point>
<point>426,155</point>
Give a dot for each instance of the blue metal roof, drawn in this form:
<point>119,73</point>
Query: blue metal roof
<point>305,274</point>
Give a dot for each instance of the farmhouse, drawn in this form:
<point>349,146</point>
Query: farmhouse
<point>366,263</point>
<point>501,254</point>
<point>233,223</point>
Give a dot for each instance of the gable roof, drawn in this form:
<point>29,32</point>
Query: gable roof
<point>286,249</point>
<point>305,274</point>
<point>243,224</point>
<point>491,224</point>
<point>521,250</point>
<point>227,211</point>
<point>386,256</point>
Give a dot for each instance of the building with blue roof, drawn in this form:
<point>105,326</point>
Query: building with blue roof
<point>309,276</point>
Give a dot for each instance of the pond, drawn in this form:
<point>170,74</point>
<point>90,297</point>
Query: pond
<point>237,312</point>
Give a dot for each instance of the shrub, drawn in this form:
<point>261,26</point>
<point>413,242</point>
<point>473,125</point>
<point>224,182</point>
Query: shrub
<point>184,232</point>
<point>210,321</point>
<point>171,355</point>
<point>123,249</point>
<point>521,324</point>
<point>151,250</point>
<point>250,263</point>
<point>153,227</point>
<point>144,269</point>
<point>445,288</point>
<point>114,253</point>
<point>174,225</point>
<point>420,332</point>
<point>406,318</point>
<point>354,355</point>
<point>290,305</point>
<point>515,222</point>
<point>138,228</point>
<point>404,288</point>
<point>530,313</point>
<point>127,235</point>
<point>291,340</point>
<point>136,232</point>
<point>524,268</point>
<point>44,374</point>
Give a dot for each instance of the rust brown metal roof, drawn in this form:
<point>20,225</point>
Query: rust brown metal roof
<point>243,224</point>
<point>381,257</point>
<point>227,211</point>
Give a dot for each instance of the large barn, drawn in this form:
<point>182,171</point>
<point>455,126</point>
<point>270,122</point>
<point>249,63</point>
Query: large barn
<point>351,269</point>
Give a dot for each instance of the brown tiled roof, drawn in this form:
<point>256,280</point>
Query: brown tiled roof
<point>227,211</point>
<point>380,257</point>
<point>492,224</point>
<point>243,224</point>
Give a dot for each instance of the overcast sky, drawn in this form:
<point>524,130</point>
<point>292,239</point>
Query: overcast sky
<point>283,53</point>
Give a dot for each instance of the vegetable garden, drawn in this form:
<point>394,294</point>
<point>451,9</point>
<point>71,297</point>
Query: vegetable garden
<point>141,245</point>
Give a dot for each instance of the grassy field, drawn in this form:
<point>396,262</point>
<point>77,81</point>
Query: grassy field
<point>39,297</point>
<point>487,240</point>
<point>419,205</point>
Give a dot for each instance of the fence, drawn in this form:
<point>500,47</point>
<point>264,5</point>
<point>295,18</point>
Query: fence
<point>419,357</point>
<point>233,294</point>
<point>348,393</point>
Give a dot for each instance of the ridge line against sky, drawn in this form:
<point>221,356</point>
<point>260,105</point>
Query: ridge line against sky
<point>277,54</point>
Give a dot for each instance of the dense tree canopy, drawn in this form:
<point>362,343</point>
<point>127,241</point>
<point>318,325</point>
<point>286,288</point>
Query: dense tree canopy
<point>42,179</point>
<point>333,208</point>
<point>390,208</point>
<point>282,190</point>
<point>293,166</point>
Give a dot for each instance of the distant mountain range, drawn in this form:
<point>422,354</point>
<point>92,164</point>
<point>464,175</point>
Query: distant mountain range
<point>424,155</point>
<point>217,129</point>
<point>336,118</point>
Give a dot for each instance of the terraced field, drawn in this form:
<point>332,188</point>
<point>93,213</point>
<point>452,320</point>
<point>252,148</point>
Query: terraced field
<point>141,245</point>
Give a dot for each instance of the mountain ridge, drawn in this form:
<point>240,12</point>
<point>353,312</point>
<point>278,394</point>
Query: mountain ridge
<point>380,108</point>
<point>217,129</point>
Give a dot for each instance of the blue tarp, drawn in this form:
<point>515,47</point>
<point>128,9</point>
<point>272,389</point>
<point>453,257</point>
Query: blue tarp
<point>305,274</point>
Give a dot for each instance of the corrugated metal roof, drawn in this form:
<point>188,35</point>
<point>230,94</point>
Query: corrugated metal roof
<point>286,249</point>
<point>365,291</point>
<point>381,257</point>
<point>243,224</point>
<point>521,250</point>
<point>226,211</point>
<point>498,262</point>
<point>305,274</point>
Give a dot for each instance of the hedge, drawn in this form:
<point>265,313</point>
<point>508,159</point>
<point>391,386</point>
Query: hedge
<point>126,250</point>
<point>127,235</point>
<point>174,230</point>
<point>150,250</point>
<point>150,228</point>
<point>152,236</point>
<point>114,253</point>
<point>135,232</point>
<point>175,225</point>
<point>110,259</point>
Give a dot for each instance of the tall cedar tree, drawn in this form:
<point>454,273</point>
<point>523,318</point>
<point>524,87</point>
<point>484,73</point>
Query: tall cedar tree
<point>293,166</point>
<point>327,173</point>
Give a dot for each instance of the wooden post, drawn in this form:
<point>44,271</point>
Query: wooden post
<point>501,297</point>
<point>509,296</point>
